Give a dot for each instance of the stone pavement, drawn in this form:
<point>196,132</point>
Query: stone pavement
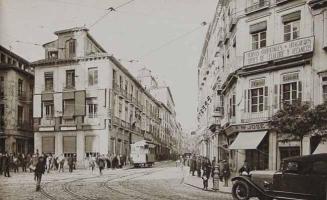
<point>197,182</point>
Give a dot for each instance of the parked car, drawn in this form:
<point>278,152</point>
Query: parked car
<point>301,177</point>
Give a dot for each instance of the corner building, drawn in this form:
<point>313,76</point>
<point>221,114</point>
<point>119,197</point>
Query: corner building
<point>16,107</point>
<point>86,102</point>
<point>257,56</point>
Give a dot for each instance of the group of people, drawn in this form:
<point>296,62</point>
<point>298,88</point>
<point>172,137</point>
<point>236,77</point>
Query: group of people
<point>204,168</point>
<point>110,161</point>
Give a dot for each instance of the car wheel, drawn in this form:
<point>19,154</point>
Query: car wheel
<point>240,191</point>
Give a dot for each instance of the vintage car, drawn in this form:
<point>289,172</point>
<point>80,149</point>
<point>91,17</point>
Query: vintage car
<point>301,177</point>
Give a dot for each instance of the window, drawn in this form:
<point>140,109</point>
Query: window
<point>49,109</point>
<point>291,92</point>
<point>93,76</point>
<point>20,87</point>
<point>232,101</point>
<point>259,40</point>
<point>53,54</point>
<point>92,110</point>
<point>48,81</point>
<point>9,60</point>
<point>2,86</point>
<point>3,58</point>
<point>257,100</point>
<point>70,78</point>
<point>69,107</point>
<point>2,115</point>
<point>20,116</point>
<point>324,89</point>
<point>291,30</point>
<point>70,48</point>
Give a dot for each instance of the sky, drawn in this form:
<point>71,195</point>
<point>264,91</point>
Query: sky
<point>164,36</point>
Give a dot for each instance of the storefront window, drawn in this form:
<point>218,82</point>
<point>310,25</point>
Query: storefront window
<point>258,158</point>
<point>286,152</point>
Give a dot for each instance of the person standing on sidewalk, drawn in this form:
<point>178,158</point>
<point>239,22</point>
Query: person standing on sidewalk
<point>39,170</point>
<point>6,165</point>
<point>70,163</point>
<point>101,164</point>
<point>198,166</point>
<point>206,173</point>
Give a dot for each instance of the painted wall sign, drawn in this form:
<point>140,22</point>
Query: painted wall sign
<point>247,127</point>
<point>278,51</point>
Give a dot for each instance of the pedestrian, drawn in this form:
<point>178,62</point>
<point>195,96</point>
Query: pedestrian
<point>114,162</point>
<point>92,163</point>
<point>6,165</point>
<point>198,166</point>
<point>39,170</point>
<point>70,161</point>
<point>61,163</point>
<point>206,173</point>
<point>49,163</point>
<point>225,172</point>
<point>101,164</point>
<point>108,161</point>
<point>245,169</point>
<point>74,161</point>
<point>23,162</point>
<point>193,165</point>
<point>1,158</point>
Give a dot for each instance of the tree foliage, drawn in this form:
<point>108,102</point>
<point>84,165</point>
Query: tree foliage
<point>296,119</point>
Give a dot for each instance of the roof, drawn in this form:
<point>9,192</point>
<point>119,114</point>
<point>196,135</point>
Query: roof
<point>308,158</point>
<point>83,28</point>
<point>13,67</point>
<point>12,54</point>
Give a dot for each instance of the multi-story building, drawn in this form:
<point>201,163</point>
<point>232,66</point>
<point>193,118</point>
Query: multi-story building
<point>86,102</point>
<point>16,91</point>
<point>170,128</point>
<point>257,56</point>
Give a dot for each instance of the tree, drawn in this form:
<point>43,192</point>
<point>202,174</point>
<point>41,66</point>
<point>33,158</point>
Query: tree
<point>319,119</point>
<point>295,119</point>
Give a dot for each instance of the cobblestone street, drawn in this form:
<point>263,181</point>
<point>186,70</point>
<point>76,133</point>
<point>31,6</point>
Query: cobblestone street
<point>160,182</point>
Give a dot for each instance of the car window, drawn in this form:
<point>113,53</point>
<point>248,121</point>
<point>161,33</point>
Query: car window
<point>319,167</point>
<point>291,167</point>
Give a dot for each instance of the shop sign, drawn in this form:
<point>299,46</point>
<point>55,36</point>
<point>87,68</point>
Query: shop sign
<point>246,127</point>
<point>278,51</point>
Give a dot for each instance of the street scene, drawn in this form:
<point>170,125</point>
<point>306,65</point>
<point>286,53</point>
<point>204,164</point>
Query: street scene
<point>163,99</point>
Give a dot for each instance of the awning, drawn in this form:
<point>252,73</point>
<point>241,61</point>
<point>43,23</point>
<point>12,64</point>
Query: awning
<point>322,148</point>
<point>248,140</point>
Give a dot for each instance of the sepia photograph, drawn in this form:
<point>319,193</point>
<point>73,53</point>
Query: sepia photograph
<point>163,99</point>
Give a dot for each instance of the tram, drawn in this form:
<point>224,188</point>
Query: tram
<point>143,153</point>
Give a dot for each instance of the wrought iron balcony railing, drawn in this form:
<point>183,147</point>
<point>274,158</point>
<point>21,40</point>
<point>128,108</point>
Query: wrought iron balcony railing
<point>257,6</point>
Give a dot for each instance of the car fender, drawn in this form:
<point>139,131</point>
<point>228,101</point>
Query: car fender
<point>252,185</point>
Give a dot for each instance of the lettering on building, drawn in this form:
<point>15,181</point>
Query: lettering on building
<point>278,51</point>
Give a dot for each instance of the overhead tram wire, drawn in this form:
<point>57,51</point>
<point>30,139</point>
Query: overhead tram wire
<point>173,40</point>
<point>109,10</point>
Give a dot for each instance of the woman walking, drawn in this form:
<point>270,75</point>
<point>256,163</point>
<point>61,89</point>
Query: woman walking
<point>39,170</point>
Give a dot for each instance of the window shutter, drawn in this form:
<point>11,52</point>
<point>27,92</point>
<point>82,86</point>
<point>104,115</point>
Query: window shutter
<point>299,91</point>
<point>258,27</point>
<point>275,96</point>
<point>291,17</point>
<point>69,144</point>
<point>80,103</point>
<point>281,96</point>
<point>249,100</point>
<point>245,100</point>
<point>266,98</point>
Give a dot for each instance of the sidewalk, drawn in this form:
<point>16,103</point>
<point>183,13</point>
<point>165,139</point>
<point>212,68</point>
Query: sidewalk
<point>197,182</point>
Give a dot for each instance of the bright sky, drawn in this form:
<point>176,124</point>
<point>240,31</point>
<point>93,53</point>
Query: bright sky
<point>130,33</point>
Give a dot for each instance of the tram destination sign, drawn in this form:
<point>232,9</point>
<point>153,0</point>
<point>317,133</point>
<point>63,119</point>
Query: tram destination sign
<point>278,51</point>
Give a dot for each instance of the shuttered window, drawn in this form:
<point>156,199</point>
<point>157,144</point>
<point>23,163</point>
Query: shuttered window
<point>48,145</point>
<point>69,143</point>
<point>48,81</point>
<point>69,105</point>
<point>91,144</point>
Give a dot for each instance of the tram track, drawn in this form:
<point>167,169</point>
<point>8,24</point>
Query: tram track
<point>106,185</point>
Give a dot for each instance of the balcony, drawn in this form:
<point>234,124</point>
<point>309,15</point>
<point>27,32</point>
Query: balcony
<point>21,94</point>
<point>279,2</point>
<point>232,23</point>
<point>116,121</point>
<point>257,7</point>
<point>48,121</point>
<point>69,87</point>
<point>252,117</point>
